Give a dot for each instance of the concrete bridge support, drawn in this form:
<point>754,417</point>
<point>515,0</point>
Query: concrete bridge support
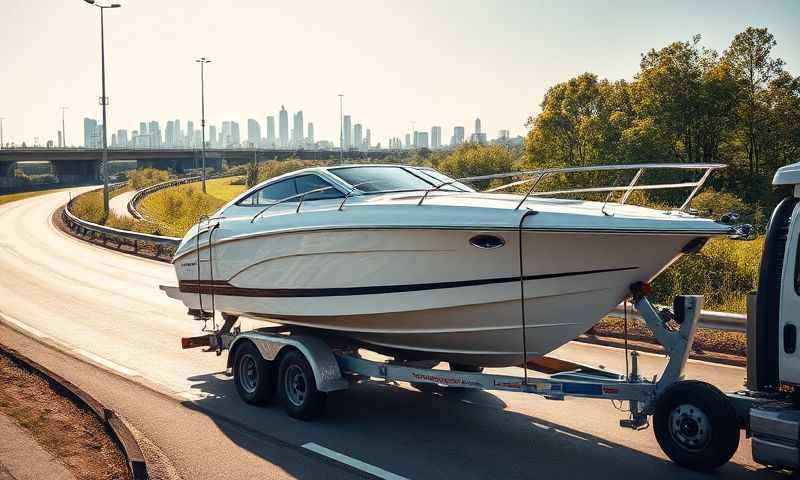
<point>77,171</point>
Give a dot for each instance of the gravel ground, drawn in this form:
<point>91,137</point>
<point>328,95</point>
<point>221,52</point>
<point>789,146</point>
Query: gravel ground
<point>74,436</point>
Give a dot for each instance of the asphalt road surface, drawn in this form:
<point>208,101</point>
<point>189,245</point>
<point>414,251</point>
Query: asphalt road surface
<point>118,336</point>
<point>119,204</point>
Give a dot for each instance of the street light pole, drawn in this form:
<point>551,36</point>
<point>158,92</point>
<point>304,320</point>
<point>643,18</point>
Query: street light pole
<point>104,99</point>
<point>63,131</point>
<point>341,131</point>
<point>202,61</point>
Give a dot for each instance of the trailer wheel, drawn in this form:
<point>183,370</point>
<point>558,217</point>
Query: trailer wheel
<point>253,375</point>
<point>696,425</point>
<point>298,388</point>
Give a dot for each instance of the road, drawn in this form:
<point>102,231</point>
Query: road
<point>104,309</point>
<point>119,204</point>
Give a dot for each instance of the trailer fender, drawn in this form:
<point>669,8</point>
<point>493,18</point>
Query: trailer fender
<point>323,362</point>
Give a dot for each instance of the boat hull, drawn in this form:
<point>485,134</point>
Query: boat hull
<point>429,293</point>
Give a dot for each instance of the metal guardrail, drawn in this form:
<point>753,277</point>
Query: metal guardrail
<point>140,194</point>
<point>729,322</point>
<point>137,198</point>
<point>86,228</point>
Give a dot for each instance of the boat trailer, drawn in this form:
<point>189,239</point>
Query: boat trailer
<point>303,368</point>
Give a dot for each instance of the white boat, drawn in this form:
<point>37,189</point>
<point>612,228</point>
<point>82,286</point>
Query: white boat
<point>420,266</point>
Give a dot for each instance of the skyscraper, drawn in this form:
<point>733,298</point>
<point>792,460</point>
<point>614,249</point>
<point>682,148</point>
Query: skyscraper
<point>422,140</point>
<point>226,135</point>
<point>357,136</point>
<point>478,136</point>
<point>178,136</point>
<point>270,132</point>
<point>408,140</point>
<point>154,130</point>
<point>297,130</point>
<point>122,138</point>
<point>169,134</point>
<point>458,136</point>
<point>212,136</point>
<point>189,133</point>
<point>436,137</point>
<point>283,127</point>
<point>89,133</point>
<point>253,133</point>
<point>113,139</point>
<point>235,138</point>
<point>348,133</point>
<point>310,134</point>
<point>368,140</point>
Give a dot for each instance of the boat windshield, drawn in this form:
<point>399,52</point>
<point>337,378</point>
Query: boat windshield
<point>373,179</point>
<point>381,179</point>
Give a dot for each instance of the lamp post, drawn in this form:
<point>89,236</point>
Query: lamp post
<point>103,98</point>
<point>341,130</point>
<point>202,61</point>
<point>63,131</point>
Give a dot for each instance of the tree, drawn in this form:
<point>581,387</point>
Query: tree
<point>750,60</point>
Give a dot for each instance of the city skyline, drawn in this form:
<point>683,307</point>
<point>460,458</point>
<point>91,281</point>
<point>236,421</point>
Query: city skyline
<point>497,66</point>
<point>356,136</point>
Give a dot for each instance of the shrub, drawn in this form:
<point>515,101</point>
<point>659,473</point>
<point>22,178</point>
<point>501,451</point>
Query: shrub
<point>714,204</point>
<point>724,271</point>
<point>176,209</point>
<point>89,206</point>
<point>145,177</point>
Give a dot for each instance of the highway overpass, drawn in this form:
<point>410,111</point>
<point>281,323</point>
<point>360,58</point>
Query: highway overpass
<point>82,165</point>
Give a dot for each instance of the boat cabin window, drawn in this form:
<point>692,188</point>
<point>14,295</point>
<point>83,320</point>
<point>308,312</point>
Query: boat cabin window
<point>288,188</point>
<point>381,179</point>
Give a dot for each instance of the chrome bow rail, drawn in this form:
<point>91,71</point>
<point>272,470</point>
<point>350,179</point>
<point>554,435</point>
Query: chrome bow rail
<point>536,176</point>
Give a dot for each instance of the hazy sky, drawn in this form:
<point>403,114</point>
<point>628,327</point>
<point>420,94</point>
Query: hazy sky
<point>431,62</point>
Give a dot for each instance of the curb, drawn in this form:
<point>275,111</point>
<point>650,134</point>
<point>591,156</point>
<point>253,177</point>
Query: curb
<point>137,466</point>
<point>642,346</point>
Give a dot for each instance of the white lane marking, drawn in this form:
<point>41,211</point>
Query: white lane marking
<point>21,325</point>
<point>355,463</point>
<point>106,363</point>
<point>658,355</point>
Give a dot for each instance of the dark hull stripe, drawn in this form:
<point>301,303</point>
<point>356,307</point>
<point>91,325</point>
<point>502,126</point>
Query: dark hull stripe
<point>222,287</point>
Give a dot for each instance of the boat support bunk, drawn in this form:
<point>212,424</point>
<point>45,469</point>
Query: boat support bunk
<point>302,368</point>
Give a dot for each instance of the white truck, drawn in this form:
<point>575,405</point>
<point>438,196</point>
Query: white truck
<point>696,424</point>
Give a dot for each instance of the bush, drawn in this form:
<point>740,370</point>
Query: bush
<point>176,209</point>
<point>145,177</point>
<point>724,271</point>
<point>239,181</point>
<point>273,168</point>
<point>715,204</point>
<point>89,206</point>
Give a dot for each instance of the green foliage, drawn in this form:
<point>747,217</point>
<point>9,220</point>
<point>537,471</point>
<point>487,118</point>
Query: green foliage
<point>687,104</point>
<point>251,174</point>
<point>146,177</point>
<point>724,271</point>
<point>472,160</point>
<point>176,209</point>
<point>89,206</point>
<point>714,204</point>
<point>273,168</point>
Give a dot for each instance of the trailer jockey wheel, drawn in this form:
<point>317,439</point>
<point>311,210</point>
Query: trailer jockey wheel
<point>696,425</point>
<point>253,375</point>
<point>298,388</point>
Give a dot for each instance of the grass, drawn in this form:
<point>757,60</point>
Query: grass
<point>176,209</point>
<point>222,188</point>
<point>13,197</point>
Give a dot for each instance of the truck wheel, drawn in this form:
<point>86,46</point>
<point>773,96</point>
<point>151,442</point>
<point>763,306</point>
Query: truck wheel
<point>298,387</point>
<point>253,375</point>
<point>696,425</point>
<point>461,367</point>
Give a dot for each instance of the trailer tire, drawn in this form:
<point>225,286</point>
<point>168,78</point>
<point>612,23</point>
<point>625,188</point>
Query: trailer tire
<point>696,425</point>
<point>253,375</point>
<point>298,387</point>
